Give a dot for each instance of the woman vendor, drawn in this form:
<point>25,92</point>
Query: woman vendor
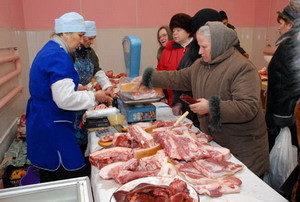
<point>54,100</point>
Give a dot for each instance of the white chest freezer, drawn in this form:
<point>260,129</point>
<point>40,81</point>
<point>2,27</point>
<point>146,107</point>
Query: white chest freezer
<point>70,190</point>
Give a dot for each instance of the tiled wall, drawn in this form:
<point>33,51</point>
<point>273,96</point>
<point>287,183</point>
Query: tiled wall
<point>9,39</point>
<point>108,45</point>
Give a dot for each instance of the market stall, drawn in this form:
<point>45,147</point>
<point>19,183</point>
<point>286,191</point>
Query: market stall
<point>252,188</point>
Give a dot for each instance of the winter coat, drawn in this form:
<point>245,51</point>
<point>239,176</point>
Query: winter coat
<point>231,84</point>
<point>283,83</point>
<point>169,61</point>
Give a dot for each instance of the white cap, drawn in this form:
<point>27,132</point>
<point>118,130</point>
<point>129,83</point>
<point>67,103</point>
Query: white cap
<point>90,27</point>
<point>69,22</point>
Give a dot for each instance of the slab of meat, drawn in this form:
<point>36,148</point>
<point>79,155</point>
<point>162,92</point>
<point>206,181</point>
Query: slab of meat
<point>124,140</point>
<point>215,169</point>
<point>110,171</point>
<point>191,174</point>
<point>182,147</point>
<point>136,168</point>
<point>175,192</point>
<point>104,157</point>
<point>217,152</point>
<point>204,185</point>
<point>144,139</point>
<point>227,185</point>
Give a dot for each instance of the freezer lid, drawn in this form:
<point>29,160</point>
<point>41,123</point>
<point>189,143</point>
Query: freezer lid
<point>70,190</point>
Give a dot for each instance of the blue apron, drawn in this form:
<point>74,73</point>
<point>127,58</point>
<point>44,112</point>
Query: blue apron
<point>50,132</point>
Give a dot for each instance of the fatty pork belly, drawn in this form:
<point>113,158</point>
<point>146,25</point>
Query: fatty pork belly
<point>205,185</point>
<point>181,144</point>
<point>104,157</point>
<point>123,172</point>
<point>214,169</point>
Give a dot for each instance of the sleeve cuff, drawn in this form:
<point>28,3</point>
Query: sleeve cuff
<point>147,77</point>
<point>215,113</point>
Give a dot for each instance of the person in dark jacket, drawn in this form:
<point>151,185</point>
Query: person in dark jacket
<point>225,22</point>
<point>86,63</point>
<point>280,101</point>
<point>283,90</point>
<point>191,55</point>
<point>180,25</point>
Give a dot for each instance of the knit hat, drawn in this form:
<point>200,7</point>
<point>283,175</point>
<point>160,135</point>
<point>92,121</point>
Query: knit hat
<point>90,28</point>
<point>223,15</point>
<point>203,16</point>
<point>181,20</point>
<point>69,22</point>
<point>291,11</point>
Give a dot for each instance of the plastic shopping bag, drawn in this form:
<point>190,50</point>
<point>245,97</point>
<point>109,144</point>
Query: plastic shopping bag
<point>283,159</point>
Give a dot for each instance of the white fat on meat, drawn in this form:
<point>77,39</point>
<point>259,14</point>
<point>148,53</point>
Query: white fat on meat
<point>144,139</point>
<point>191,174</point>
<point>123,172</point>
<point>215,169</point>
<point>111,171</point>
<point>217,152</point>
<point>104,157</point>
<point>227,185</point>
<point>208,186</point>
<point>167,169</point>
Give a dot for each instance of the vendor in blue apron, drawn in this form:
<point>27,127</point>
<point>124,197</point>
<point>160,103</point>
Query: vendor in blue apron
<point>87,67</point>
<point>54,100</point>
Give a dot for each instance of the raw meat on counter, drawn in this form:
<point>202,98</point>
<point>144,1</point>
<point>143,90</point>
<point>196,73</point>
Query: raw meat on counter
<point>175,151</point>
<point>213,187</point>
<point>104,157</point>
<point>136,91</point>
<point>175,192</point>
<point>137,168</point>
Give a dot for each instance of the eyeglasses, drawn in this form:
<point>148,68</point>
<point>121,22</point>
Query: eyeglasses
<point>163,35</point>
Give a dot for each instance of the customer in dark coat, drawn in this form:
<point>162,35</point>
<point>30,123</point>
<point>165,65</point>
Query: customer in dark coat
<point>227,88</point>
<point>280,99</point>
<point>225,22</point>
<point>284,86</point>
<point>190,56</point>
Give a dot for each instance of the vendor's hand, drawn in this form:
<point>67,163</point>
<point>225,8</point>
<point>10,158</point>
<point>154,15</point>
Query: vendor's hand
<point>84,118</point>
<point>81,88</point>
<point>103,96</point>
<point>176,109</point>
<point>201,107</point>
<point>109,90</point>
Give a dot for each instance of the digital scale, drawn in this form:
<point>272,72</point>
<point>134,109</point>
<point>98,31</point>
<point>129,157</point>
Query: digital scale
<point>137,111</point>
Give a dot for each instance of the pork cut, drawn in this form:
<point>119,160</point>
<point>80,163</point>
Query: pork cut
<point>104,157</point>
<point>215,169</point>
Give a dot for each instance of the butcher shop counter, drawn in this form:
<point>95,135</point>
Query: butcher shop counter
<point>253,188</point>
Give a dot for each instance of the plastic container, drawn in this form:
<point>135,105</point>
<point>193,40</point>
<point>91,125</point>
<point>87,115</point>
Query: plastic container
<point>116,119</point>
<point>32,176</point>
